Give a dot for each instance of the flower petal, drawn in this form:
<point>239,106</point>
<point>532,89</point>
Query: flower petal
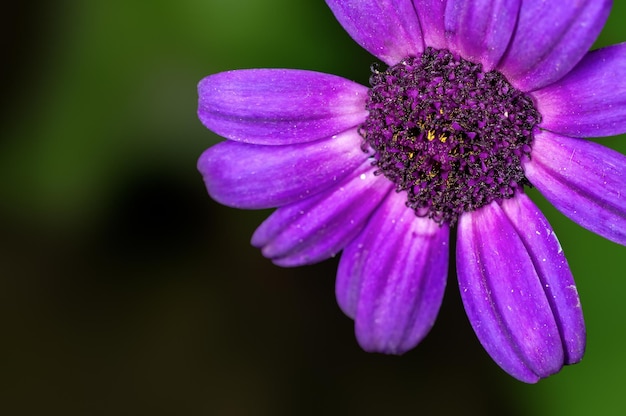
<point>551,265</point>
<point>392,277</point>
<point>388,29</point>
<point>431,18</point>
<point>480,30</point>
<point>551,38</point>
<point>504,298</point>
<point>319,227</point>
<point>279,106</point>
<point>252,176</point>
<point>582,179</point>
<point>591,100</point>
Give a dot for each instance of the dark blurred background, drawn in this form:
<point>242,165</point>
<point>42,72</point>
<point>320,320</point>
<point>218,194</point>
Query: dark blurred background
<point>125,290</point>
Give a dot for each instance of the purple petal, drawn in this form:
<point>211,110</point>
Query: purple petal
<point>480,30</point>
<point>431,15</point>
<point>504,298</point>
<point>388,29</point>
<point>252,176</point>
<point>584,180</point>
<point>279,106</point>
<point>551,265</point>
<point>392,277</point>
<point>319,227</point>
<point>591,100</point>
<point>551,38</point>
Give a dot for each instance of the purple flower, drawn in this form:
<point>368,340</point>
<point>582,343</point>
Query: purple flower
<point>480,99</point>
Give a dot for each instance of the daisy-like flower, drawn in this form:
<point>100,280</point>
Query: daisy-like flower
<point>480,99</point>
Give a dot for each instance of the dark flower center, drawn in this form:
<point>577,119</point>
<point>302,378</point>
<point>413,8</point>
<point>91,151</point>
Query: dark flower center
<point>448,133</point>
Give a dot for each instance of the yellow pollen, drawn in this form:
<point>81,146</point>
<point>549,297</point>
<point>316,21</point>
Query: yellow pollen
<point>431,135</point>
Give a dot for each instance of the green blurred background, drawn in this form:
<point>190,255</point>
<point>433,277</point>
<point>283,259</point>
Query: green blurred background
<point>124,289</point>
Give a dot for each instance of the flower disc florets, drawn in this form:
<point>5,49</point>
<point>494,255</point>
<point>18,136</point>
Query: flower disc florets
<point>448,133</point>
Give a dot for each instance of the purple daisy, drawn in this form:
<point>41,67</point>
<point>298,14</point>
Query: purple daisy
<point>479,99</point>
